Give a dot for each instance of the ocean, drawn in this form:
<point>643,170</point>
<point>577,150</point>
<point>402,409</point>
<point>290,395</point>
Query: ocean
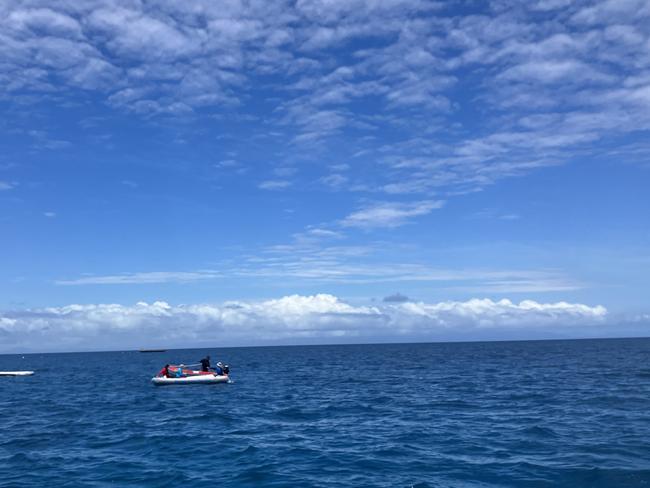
<point>491,414</point>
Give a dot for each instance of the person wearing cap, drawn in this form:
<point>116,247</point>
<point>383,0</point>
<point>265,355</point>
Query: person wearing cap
<point>219,368</point>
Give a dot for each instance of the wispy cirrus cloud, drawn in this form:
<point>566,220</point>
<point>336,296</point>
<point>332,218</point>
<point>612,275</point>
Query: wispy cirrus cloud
<point>143,278</point>
<point>342,265</point>
<point>274,185</point>
<point>389,214</point>
<point>309,262</point>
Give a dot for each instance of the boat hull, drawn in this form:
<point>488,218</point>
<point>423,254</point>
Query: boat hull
<point>200,379</point>
<point>16,373</point>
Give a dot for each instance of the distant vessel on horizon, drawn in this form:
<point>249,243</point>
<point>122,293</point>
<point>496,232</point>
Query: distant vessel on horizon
<point>153,350</point>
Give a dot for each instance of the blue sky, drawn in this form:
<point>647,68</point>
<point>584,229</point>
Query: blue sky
<point>417,162</point>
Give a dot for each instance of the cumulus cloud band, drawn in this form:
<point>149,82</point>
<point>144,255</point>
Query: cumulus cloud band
<point>295,318</point>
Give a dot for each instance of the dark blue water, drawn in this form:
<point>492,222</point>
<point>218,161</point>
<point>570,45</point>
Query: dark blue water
<point>533,414</point>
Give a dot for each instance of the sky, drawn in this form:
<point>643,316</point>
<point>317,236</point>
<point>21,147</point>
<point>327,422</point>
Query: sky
<point>245,172</point>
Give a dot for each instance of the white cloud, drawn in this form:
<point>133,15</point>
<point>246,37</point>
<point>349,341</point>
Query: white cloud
<point>177,58</point>
<point>274,184</point>
<point>565,71</point>
<point>342,166</point>
<point>389,214</point>
<point>609,11</point>
<point>334,180</point>
<point>315,318</point>
<point>50,215</point>
<point>323,233</point>
<point>492,213</point>
<point>309,261</point>
<point>6,185</point>
<point>45,20</point>
<point>521,285</point>
<point>227,163</point>
<point>143,278</point>
<point>482,313</point>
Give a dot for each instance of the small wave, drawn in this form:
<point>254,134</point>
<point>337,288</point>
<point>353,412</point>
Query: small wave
<point>442,425</point>
<point>539,431</point>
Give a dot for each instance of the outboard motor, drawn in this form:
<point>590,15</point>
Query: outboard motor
<point>226,369</point>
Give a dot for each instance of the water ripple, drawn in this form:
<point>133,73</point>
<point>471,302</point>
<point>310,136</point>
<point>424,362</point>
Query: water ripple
<point>541,414</point>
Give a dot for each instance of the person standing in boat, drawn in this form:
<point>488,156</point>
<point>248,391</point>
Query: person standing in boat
<point>205,364</point>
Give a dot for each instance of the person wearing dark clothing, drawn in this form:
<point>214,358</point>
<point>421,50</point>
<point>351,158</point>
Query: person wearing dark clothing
<point>205,364</point>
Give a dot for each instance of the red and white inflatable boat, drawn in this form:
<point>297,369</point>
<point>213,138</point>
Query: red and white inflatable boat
<point>188,377</point>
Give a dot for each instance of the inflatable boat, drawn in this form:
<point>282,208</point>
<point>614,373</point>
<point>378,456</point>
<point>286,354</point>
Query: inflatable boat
<point>199,378</point>
<point>16,373</point>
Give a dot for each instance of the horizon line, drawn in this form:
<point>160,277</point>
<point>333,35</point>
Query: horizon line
<point>555,339</point>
